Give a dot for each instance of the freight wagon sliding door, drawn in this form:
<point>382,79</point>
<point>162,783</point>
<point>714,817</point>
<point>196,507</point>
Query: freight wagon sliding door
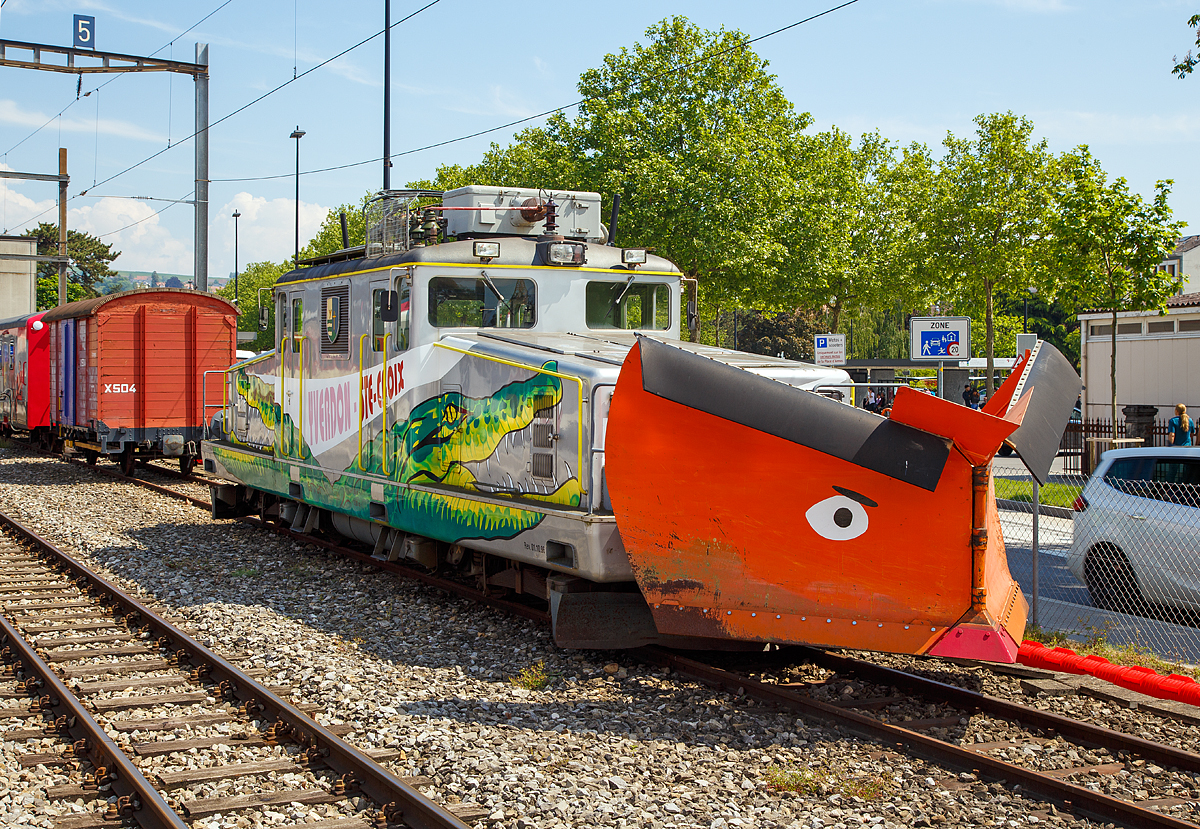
<point>119,376</point>
<point>66,373</point>
<point>215,338</point>
<point>170,366</point>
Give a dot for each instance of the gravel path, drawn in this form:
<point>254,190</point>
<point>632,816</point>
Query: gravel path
<point>606,741</point>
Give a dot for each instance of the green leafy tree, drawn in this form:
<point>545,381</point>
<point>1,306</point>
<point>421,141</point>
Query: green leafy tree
<point>257,276</point>
<point>697,137</point>
<point>988,225</point>
<point>115,284</point>
<point>1109,244</point>
<point>329,237</point>
<point>1184,67</point>
<point>173,282</point>
<point>89,256</point>
<point>852,226</point>
<point>47,293</point>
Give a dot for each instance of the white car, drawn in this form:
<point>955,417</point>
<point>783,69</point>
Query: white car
<point>1137,530</point>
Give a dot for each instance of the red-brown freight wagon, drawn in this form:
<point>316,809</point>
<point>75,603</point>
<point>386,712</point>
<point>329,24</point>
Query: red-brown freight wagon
<point>127,372</point>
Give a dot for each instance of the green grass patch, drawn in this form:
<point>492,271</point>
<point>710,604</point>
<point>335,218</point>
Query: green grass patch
<point>244,573</point>
<point>1095,641</point>
<point>1052,495</point>
<point>533,678</point>
<point>816,782</point>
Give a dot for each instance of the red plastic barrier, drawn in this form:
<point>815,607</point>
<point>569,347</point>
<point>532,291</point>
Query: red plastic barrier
<point>1133,677</point>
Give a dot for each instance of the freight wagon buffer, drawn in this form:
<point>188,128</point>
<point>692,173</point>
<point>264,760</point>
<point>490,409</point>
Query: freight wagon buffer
<point>490,385</point>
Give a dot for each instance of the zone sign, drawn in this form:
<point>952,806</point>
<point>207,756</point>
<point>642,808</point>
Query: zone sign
<point>120,388</point>
<point>940,338</point>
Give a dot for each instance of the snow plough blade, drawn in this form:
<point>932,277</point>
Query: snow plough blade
<point>754,510</point>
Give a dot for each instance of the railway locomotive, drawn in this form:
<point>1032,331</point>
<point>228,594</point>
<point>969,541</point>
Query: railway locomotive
<point>121,375</point>
<point>489,384</point>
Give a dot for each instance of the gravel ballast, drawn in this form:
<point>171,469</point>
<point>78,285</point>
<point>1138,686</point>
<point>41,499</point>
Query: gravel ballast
<point>608,741</point>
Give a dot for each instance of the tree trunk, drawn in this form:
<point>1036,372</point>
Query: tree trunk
<point>1113,369</point>
<point>991,341</point>
<point>836,309</point>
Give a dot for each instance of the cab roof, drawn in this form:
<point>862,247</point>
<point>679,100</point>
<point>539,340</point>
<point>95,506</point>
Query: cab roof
<point>515,251</point>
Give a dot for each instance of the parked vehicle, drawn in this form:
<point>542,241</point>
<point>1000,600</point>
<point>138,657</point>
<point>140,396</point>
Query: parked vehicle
<point>1137,530</point>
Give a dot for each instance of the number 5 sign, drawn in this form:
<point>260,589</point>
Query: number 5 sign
<point>85,32</point>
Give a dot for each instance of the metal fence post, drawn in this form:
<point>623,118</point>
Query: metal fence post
<point>1036,499</point>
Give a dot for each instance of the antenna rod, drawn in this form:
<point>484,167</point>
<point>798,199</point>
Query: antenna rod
<point>387,95</point>
<point>612,220</point>
<point>345,232</point>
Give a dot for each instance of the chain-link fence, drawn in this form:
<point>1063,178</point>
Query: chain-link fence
<point>1116,557</point>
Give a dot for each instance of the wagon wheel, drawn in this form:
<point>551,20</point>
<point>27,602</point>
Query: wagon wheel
<point>91,457</point>
<point>127,462</point>
<point>187,463</point>
<point>1111,581</point>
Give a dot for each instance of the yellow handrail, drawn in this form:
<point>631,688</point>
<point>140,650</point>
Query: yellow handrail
<point>579,469</point>
<point>360,400</point>
<point>301,352</point>
<point>384,434</point>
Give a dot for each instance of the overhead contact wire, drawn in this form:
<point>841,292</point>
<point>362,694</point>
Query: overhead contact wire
<point>549,112</point>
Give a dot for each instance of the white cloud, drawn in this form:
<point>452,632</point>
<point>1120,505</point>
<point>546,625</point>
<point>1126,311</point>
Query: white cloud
<point>145,244</point>
<point>1074,127</point>
<point>19,212</point>
<point>12,113</point>
<point>266,230</point>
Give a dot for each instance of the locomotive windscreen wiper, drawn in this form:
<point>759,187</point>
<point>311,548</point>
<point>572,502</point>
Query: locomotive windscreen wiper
<point>617,302</point>
<point>495,290</point>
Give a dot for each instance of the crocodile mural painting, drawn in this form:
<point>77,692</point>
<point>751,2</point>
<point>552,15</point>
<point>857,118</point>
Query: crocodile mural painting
<point>448,441</point>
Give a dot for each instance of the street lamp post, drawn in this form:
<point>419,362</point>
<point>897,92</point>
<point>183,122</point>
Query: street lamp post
<point>297,134</point>
<point>236,296</point>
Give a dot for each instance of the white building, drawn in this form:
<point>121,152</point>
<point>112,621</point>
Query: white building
<point>18,277</point>
<point>1184,262</point>
<point>1158,357</point>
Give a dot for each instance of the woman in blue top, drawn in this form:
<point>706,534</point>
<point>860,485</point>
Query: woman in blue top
<point>1181,428</point>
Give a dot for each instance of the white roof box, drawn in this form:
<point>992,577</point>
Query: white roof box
<point>496,211</point>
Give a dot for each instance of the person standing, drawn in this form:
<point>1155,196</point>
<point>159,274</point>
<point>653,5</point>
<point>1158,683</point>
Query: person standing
<point>1181,428</point>
<point>970,397</point>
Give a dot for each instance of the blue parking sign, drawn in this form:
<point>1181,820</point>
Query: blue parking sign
<point>822,342</point>
<point>85,32</point>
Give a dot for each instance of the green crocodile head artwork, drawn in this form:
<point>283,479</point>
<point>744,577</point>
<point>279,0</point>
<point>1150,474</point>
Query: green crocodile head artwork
<point>432,448</point>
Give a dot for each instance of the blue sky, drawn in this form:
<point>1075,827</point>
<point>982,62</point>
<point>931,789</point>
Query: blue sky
<point>1085,71</point>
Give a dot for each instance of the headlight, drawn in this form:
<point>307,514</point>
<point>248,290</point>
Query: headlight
<point>634,256</point>
<point>565,253</point>
<point>486,250</point>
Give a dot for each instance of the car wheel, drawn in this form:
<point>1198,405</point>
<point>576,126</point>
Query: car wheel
<point>1005,451</point>
<point>1111,581</point>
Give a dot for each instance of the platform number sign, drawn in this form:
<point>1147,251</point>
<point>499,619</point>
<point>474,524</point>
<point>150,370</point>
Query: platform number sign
<point>85,32</point>
<point>941,338</point>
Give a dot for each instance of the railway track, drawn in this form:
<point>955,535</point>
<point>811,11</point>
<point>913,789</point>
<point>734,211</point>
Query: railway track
<point>84,660</point>
<point>1074,790</point>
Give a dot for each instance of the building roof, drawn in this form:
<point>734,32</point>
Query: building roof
<point>1185,300</point>
<point>1187,243</point>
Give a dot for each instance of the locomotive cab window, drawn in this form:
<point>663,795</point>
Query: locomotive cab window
<point>401,338</point>
<point>628,305</point>
<point>297,322</point>
<point>378,326</point>
<point>482,302</point>
<point>282,316</point>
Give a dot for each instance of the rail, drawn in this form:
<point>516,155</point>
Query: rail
<point>399,800</point>
<point>539,370</point>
